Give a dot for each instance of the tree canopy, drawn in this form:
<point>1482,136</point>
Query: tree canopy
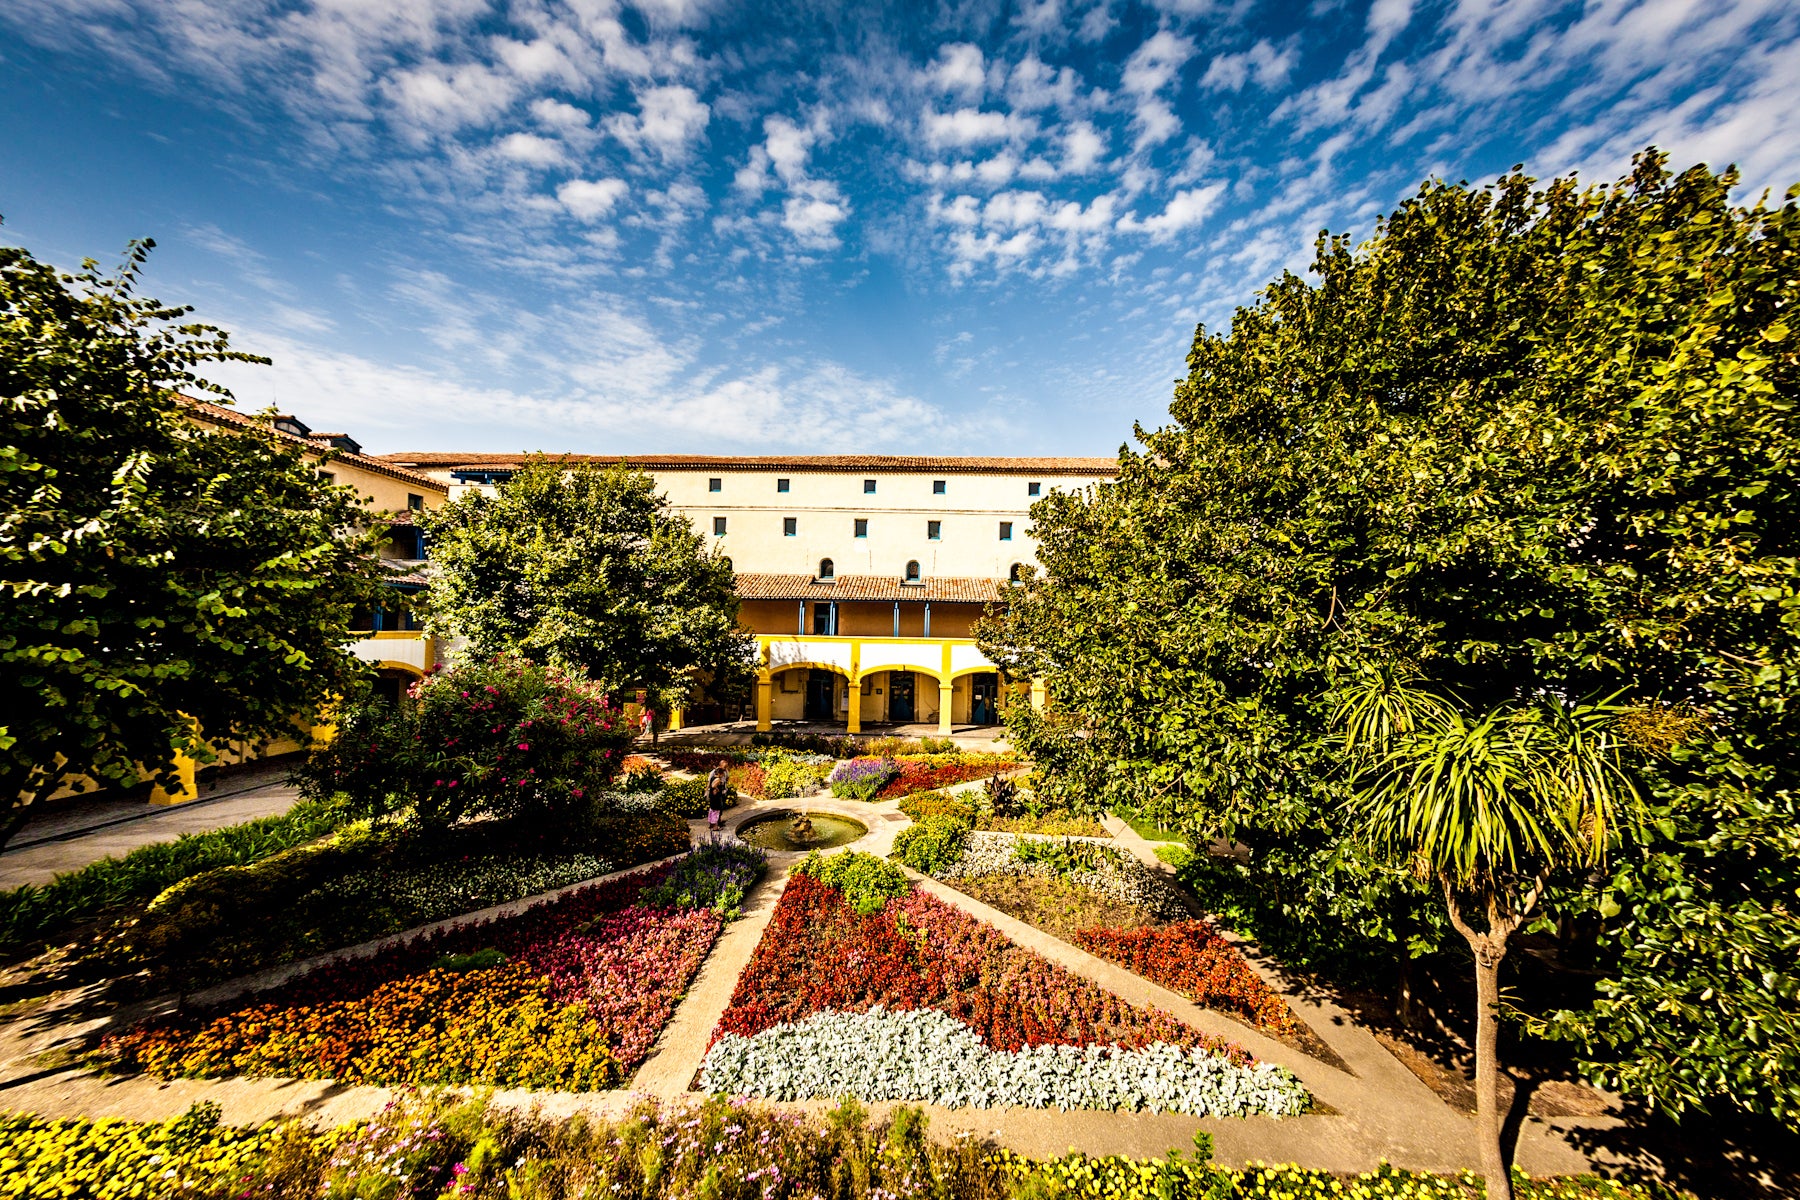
<point>585,566</point>
<point>167,587</point>
<point>1524,440</point>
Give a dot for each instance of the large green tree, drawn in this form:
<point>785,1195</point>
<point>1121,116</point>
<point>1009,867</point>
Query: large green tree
<point>166,588</point>
<point>586,566</point>
<point>1524,440</point>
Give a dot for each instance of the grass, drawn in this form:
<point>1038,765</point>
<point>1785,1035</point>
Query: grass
<point>108,887</point>
<point>1055,905</point>
<point>1147,829</point>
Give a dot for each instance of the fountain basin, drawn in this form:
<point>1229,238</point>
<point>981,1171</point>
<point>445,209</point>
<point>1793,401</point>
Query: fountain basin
<point>777,831</point>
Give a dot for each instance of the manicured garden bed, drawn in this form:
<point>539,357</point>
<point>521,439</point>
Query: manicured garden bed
<point>447,1146</point>
<point>911,999</point>
<point>368,881</point>
<point>570,994</point>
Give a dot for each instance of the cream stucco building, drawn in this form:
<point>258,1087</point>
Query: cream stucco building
<point>861,575</point>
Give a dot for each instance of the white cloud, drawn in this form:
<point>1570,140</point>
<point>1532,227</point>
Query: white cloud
<point>440,99</point>
<point>959,68</point>
<point>1153,65</point>
<point>813,213</point>
<point>530,150</point>
<point>590,199</point>
<point>1083,148</point>
<point>669,120</point>
<point>964,127</point>
<point>1185,210</point>
<point>560,116</point>
<point>1265,64</point>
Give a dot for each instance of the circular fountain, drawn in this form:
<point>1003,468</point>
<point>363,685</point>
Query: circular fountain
<point>801,831</point>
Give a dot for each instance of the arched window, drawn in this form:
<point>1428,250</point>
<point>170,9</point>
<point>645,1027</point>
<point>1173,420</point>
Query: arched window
<point>826,569</point>
<point>912,571</point>
<point>1014,573</point>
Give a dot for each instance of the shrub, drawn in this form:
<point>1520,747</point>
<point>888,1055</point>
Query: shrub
<point>715,877</point>
<point>920,805</point>
<point>866,881</point>
<point>498,738</point>
<point>932,844</point>
<point>685,798</point>
<point>641,779</point>
<point>861,778</point>
<point>1002,796</point>
<point>1068,856</point>
<point>99,888</point>
<point>785,777</point>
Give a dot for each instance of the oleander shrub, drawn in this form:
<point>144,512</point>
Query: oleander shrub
<point>866,881</point>
<point>931,844</point>
<point>501,737</point>
<point>862,778</point>
<point>110,886</point>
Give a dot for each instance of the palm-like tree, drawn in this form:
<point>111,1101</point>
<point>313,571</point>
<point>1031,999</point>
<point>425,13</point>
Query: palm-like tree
<point>1491,805</point>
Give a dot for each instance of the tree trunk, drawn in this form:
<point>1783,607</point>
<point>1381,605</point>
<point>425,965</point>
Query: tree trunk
<point>1494,1167</point>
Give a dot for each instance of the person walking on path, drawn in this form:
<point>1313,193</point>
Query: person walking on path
<point>718,798</point>
<point>647,723</point>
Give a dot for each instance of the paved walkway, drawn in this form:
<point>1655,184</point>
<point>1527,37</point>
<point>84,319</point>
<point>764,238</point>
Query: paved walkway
<point>70,834</point>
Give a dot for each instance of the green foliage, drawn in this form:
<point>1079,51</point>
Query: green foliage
<point>920,805</point>
<point>1149,830</point>
<point>867,881</point>
<point>496,738</point>
<point>785,777</point>
<point>588,567</point>
<point>642,781</point>
<point>370,880</point>
<point>933,843</point>
<point>1523,441</point>
<point>109,885</point>
<point>1065,855</point>
<point>685,797</point>
<point>167,588</point>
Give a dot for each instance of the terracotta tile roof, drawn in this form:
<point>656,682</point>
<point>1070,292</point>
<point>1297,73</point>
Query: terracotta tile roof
<point>434,460</point>
<point>220,415</point>
<point>753,586</point>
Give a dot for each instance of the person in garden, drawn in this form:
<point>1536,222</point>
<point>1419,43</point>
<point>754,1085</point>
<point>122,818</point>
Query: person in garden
<point>647,723</point>
<point>718,798</point>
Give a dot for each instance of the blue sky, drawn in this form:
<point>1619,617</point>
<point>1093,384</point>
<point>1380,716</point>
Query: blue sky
<point>683,225</point>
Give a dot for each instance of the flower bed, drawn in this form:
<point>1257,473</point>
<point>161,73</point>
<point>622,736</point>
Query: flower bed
<point>862,778</point>
<point>571,994</point>
<point>916,1000</point>
<point>925,1055</point>
<point>819,955</point>
<point>929,772</point>
<point>1191,958</point>
<point>1091,862</point>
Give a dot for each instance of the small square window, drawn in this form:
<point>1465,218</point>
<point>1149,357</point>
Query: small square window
<point>934,530</point>
<point>790,526</point>
<point>414,502</point>
<point>868,487</point>
<point>937,487</point>
<point>1034,489</point>
<point>862,527</point>
<point>1006,531</point>
<point>781,485</point>
<point>715,485</point>
<point>718,526</point>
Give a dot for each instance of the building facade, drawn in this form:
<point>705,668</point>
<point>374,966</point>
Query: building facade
<point>860,575</point>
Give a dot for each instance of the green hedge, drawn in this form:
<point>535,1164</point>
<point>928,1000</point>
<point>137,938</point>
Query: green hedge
<point>930,845</point>
<point>99,889</point>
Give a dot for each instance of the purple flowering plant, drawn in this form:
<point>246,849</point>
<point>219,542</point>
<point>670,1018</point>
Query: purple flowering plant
<point>862,778</point>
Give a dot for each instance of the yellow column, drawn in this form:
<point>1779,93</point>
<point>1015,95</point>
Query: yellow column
<point>184,789</point>
<point>765,688</point>
<point>676,716</point>
<point>946,699</point>
<point>1038,694</point>
<point>855,710</point>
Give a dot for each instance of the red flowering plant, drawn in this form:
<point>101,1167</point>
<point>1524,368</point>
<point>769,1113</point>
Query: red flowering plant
<point>501,737</point>
<point>1191,958</point>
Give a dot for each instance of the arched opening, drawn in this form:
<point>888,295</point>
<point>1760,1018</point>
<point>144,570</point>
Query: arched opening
<point>826,568</point>
<point>912,571</point>
<point>1013,573</point>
